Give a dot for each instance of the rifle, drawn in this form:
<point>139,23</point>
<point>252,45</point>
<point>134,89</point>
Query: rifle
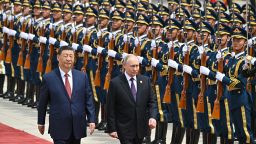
<point>100,60</point>
<point>8,58</point>
<point>167,94</point>
<point>49,61</point>
<point>42,48</point>
<point>85,42</point>
<point>216,107</point>
<point>183,100</point>
<point>30,44</point>
<point>23,44</point>
<point>111,46</point>
<point>138,46</point>
<point>2,52</point>
<point>200,101</point>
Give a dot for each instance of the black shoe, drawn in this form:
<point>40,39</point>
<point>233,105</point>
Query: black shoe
<point>31,103</point>
<point>146,140</point>
<point>159,142</point>
<point>22,100</point>
<point>99,125</point>
<point>8,95</point>
<point>34,105</point>
<point>27,101</point>
<point>103,126</point>
<point>19,98</point>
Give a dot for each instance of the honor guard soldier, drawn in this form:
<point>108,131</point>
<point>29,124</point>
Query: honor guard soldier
<point>160,69</point>
<point>2,67</point>
<point>67,24</point>
<point>130,6</point>
<point>235,79</point>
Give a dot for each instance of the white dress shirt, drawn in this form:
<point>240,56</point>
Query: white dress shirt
<point>70,78</point>
<point>129,81</point>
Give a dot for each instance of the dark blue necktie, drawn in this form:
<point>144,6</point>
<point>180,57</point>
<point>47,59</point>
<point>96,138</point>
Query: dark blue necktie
<point>133,89</point>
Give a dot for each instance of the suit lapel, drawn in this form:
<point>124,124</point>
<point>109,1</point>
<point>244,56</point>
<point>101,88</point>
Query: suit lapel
<point>139,87</point>
<point>126,86</point>
<point>75,81</point>
<point>57,71</point>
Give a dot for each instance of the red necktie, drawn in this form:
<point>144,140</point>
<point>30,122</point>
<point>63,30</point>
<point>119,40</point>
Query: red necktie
<point>67,85</point>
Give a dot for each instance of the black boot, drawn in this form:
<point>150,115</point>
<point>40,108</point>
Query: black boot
<point>188,136</point>
<point>212,138</point>
<point>177,135</point>
<point>2,77</point>
<point>147,138</point>
<point>195,136</point>
<point>160,137</point>
<point>26,96</point>
<point>7,93</point>
<point>29,95</point>
<point>157,133</point>
<point>20,96</point>
<point>12,90</point>
<point>164,132</point>
<point>32,95</point>
<point>97,111</point>
<point>37,97</point>
<point>103,123</point>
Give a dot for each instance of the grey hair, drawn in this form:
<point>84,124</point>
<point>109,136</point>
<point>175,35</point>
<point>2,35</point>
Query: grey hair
<point>127,57</point>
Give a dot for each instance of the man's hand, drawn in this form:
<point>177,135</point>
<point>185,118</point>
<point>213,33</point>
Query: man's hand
<point>113,135</point>
<point>152,123</point>
<point>91,127</point>
<point>41,129</point>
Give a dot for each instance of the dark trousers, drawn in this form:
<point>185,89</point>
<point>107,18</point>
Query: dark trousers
<point>71,140</point>
<point>131,141</point>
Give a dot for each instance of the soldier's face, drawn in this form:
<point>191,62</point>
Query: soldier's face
<point>46,13</point>
<point>202,36</point>
<point>190,34</point>
<point>238,44</point>
<point>224,40</point>
<point>172,7</point>
<point>17,9</point>
<point>67,16</point>
<point>130,25</point>
<point>142,28</point>
<point>90,20</point>
<point>253,29</point>
<point>117,23</point>
<point>37,11</point>
<point>26,11</point>
<point>130,10</point>
<point>172,34</point>
<point>79,18</point>
<point>211,21</point>
<point>66,59</point>
<point>57,14</point>
<point>132,66</point>
<point>121,9</point>
<point>103,22</point>
<point>156,29</point>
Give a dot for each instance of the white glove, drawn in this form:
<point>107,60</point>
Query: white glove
<point>251,41</point>
<point>62,28</point>
<point>50,26</point>
<point>110,35</point>
<point>201,49</point>
<point>98,34</point>
<point>170,44</point>
<point>100,49</point>
<point>253,60</point>
<point>42,39</point>
<point>154,62</point>
<point>87,48</point>
<point>73,30</point>
<point>136,41</point>
<point>24,35</point>
<point>52,40</point>
<point>40,24</point>
<point>187,69</point>
<point>31,36</point>
<point>74,46</point>
<point>140,59</point>
<point>4,16</point>
<point>204,70</point>
<point>84,30</point>
<point>173,64</point>
<point>124,55</point>
<point>63,43</point>
<point>5,30</point>
<point>10,18</point>
<point>218,56</point>
<point>87,5</point>
<point>153,44</point>
<point>184,49</point>
<point>125,37</point>
<point>112,53</point>
<point>219,76</point>
<point>12,32</point>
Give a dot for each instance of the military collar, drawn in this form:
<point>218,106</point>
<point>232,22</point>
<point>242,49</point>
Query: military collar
<point>7,12</point>
<point>104,29</point>
<point>78,26</point>
<point>130,33</point>
<point>190,42</point>
<point>142,37</point>
<point>57,23</point>
<point>28,16</point>
<point>158,38</point>
<point>91,28</point>
<point>115,32</point>
<point>17,15</point>
<point>67,24</point>
<point>239,54</point>
<point>224,49</point>
<point>45,20</point>
<point>39,19</point>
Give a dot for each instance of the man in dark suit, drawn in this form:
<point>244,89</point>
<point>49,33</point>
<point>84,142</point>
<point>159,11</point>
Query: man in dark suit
<point>67,92</point>
<point>130,102</point>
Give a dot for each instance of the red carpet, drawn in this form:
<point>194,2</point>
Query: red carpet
<point>9,135</point>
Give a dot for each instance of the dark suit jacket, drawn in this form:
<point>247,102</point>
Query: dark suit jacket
<point>66,115</point>
<point>125,115</point>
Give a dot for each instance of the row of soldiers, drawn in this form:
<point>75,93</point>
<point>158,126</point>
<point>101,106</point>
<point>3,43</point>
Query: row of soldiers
<point>199,57</point>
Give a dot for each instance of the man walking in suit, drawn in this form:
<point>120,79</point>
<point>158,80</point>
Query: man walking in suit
<point>130,99</point>
<point>67,92</point>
